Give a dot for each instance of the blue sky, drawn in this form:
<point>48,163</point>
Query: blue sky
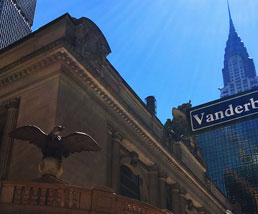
<point>171,49</point>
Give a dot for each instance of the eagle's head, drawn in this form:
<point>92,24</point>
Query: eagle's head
<point>57,129</point>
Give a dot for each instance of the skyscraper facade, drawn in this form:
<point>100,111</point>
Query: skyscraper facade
<point>239,71</point>
<point>231,152</point>
<point>16,19</point>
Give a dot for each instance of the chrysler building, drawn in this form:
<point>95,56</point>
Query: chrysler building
<point>239,71</point>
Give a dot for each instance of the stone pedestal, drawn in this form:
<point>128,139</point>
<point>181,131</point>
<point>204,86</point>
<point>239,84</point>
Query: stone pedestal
<point>50,166</point>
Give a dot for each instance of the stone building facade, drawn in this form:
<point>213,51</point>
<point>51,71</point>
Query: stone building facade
<point>59,75</point>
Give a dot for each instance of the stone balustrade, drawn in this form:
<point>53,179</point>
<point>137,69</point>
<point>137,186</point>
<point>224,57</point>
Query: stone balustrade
<point>34,197</point>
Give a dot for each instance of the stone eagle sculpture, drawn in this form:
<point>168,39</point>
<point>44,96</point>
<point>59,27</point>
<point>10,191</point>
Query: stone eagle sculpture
<point>53,147</point>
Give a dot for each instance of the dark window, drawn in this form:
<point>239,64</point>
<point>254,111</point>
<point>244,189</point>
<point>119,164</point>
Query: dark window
<point>129,183</point>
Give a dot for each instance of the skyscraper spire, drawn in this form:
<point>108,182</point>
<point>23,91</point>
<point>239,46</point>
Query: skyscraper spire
<point>239,71</point>
<point>232,27</point>
<point>229,10</point>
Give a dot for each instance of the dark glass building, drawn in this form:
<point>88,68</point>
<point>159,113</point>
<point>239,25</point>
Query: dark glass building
<point>16,19</point>
<point>231,152</point>
<point>231,148</point>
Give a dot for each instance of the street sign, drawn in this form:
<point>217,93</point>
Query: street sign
<point>224,111</point>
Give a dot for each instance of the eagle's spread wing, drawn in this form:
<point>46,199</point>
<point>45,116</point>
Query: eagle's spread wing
<point>32,134</point>
<point>77,142</point>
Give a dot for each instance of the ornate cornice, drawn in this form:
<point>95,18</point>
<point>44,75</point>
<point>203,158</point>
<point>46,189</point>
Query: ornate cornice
<point>9,73</point>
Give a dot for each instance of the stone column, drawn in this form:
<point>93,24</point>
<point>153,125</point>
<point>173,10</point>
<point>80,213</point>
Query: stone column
<point>110,132</point>
<point>175,198</point>
<point>115,171</point>
<point>7,142</point>
<point>154,183</point>
<point>162,190</point>
<point>182,200</point>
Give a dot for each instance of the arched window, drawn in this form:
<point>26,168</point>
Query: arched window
<point>129,183</point>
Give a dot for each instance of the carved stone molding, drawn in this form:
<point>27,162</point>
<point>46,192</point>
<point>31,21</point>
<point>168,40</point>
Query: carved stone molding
<point>115,134</point>
<point>110,129</point>
<point>89,41</point>
<point>131,158</point>
<point>9,75</point>
<point>182,191</point>
<point>175,187</point>
<point>12,104</point>
<point>134,159</point>
<point>163,175</point>
<point>154,169</point>
<point>117,137</point>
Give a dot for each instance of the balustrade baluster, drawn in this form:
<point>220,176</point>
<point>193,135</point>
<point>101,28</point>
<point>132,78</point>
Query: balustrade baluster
<point>66,198</point>
<point>26,197</point>
<point>49,199</point>
<point>129,207</point>
<point>18,195</point>
<point>76,200</point>
<point>43,196</point>
<point>70,204</point>
<point>34,195</point>
<point>134,209</point>
<point>55,201</point>
<point>139,210</point>
<point>61,197</point>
